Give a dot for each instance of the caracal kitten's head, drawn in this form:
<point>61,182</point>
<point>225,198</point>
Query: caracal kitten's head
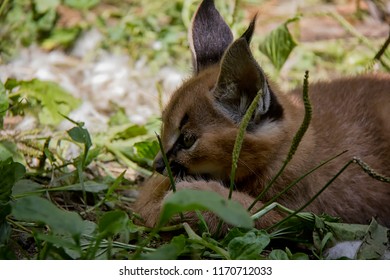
<point>200,123</point>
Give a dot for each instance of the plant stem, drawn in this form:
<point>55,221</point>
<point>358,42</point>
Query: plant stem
<point>314,197</point>
<point>352,30</point>
<point>299,179</point>
<point>128,162</point>
<point>192,236</point>
<point>165,159</point>
<point>240,138</point>
<point>296,140</point>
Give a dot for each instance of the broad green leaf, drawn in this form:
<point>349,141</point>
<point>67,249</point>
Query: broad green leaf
<point>52,98</point>
<point>37,209</point>
<point>119,117</point>
<point>278,254</point>
<point>147,149</point>
<point>343,232</point>
<point>42,6</point>
<point>81,4</point>
<point>4,152</point>
<point>131,131</point>
<point>47,20</point>
<point>189,200</point>
<point>278,44</point>
<point>28,187</point>
<point>374,242</point>
<point>249,246</point>
<point>25,186</point>
<point>10,84</point>
<point>144,152</point>
<point>59,241</point>
<point>9,149</point>
<point>170,251</point>
<point>10,172</point>
<point>61,37</point>
<point>80,135</point>
<point>233,233</point>
<point>299,256</point>
<point>112,223</point>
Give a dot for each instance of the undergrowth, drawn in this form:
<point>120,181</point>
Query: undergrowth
<point>68,194</point>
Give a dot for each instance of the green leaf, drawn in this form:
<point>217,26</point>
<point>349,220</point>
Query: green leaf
<point>61,37</point>
<point>189,200</point>
<point>52,98</point>
<point>5,232</point>
<point>47,20</point>
<point>80,135</point>
<point>3,103</point>
<point>374,242</point>
<point>299,256</point>
<point>10,172</point>
<point>42,6</point>
<point>112,223</point>
<point>278,254</point>
<point>37,209</point>
<point>25,186</point>
<point>147,149</point>
<point>119,117</point>
<point>233,233</point>
<point>9,149</point>
<point>249,246</point>
<point>81,4</point>
<point>144,152</point>
<point>343,232</point>
<point>170,251</point>
<point>88,186</point>
<point>131,131</point>
<point>278,44</point>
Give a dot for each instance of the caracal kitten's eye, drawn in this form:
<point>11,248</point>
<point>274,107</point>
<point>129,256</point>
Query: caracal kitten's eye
<point>188,140</point>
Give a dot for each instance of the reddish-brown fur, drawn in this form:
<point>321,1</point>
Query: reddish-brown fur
<point>348,114</point>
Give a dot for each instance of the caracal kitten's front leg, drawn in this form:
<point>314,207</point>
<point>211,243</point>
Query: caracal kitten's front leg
<point>152,195</point>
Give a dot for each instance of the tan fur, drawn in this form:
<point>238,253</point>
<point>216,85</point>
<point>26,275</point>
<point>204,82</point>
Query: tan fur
<point>348,114</point>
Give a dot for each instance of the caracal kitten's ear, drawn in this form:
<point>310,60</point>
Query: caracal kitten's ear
<point>240,79</point>
<point>209,36</point>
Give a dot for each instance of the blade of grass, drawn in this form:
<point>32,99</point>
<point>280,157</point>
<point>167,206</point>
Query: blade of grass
<point>165,159</point>
<point>371,172</point>
<point>193,237</point>
<point>314,197</point>
<point>240,138</point>
<point>354,32</point>
<point>296,140</point>
<point>293,183</point>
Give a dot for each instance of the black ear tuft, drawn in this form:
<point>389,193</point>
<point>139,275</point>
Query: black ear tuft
<point>249,32</point>
<point>209,36</point>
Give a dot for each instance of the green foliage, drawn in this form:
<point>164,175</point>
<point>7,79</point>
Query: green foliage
<point>27,22</point>
<point>11,172</point>
<point>81,4</point>
<point>3,103</point>
<point>189,200</point>
<point>45,99</point>
<point>37,209</point>
<point>278,44</point>
<point>249,246</point>
<point>169,251</point>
